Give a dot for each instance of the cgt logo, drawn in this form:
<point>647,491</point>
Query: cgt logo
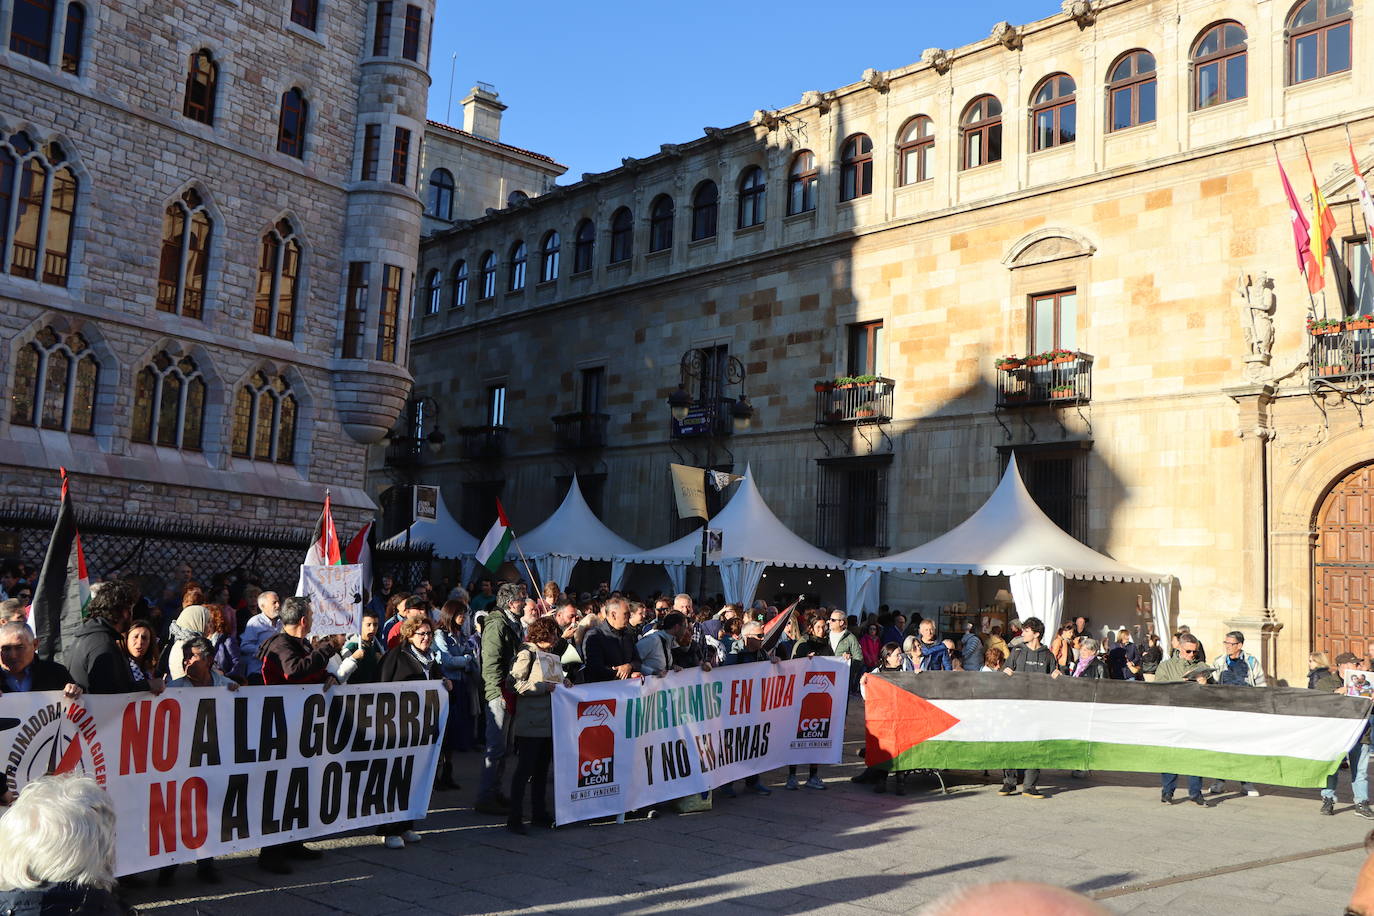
<point>595,744</point>
<point>814,721</point>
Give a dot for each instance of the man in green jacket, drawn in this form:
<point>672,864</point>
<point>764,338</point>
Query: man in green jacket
<point>845,645</point>
<point>501,639</point>
<point>1176,669</point>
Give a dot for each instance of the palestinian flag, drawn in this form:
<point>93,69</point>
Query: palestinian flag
<point>1281,736</point>
<point>491,553</point>
<point>324,545</point>
<point>64,587</point>
<point>359,553</point>
<point>774,629</point>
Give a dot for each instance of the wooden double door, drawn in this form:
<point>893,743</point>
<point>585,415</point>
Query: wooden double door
<point>1344,573</point>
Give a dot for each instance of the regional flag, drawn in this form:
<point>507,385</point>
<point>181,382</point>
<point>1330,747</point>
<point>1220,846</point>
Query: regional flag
<point>491,553</point>
<point>64,587</point>
<point>1302,236</point>
<point>1324,221</point>
<point>1282,736</point>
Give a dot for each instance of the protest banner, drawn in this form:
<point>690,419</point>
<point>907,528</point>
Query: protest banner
<point>622,745</point>
<point>199,772</point>
<point>336,598</point>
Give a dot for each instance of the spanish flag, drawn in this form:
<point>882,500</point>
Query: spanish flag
<point>1323,220</point>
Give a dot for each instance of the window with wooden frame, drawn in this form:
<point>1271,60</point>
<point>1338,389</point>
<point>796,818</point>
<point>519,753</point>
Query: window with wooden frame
<point>410,37</point>
<point>400,156</point>
<point>381,29</point>
<point>38,192</point>
<point>31,28</point>
<point>169,403</point>
<point>705,210</point>
<point>1219,62</point>
<point>1052,321</point>
<point>1054,112</point>
<point>305,13</point>
<point>291,124</point>
<point>916,151</point>
<point>856,167</point>
<point>265,413</point>
<point>622,235</point>
<point>460,285</point>
<point>980,133</point>
<point>584,246</point>
<point>355,309</point>
<point>441,189</point>
<point>865,349</point>
<point>185,260</point>
<point>519,257</point>
<point>389,313</point>
<point>801,183</point>
<point>56,380</point>
<point>548,256</point>
<point>202,74</point>
<point>488,268</point>
<point>1318,39</point>
<point>279,267</point>
<point>372,151</point>
<point>661,214</point>
<point>73,39</point>
<point>1131,90</point>
<point>752,198</point>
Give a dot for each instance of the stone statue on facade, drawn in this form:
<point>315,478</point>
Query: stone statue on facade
<point>1256,293</point>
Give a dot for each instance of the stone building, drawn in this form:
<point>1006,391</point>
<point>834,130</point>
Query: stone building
<point>1096,189</point>
<point>209,217</point>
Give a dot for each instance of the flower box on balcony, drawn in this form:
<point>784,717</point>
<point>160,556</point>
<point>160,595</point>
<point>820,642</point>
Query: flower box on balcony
<point>1062,356</point>
<point>1362,323</point>
<point>1065,391</point>
<point>1037,361</point>
<point>822,387</point>
<point>1322,326</point>
<point>1008,363</point>
<point>1331,370</point>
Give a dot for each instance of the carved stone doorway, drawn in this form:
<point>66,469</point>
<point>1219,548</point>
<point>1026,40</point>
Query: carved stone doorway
<point>1344,566</point>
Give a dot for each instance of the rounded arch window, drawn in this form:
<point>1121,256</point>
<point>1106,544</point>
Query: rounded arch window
<point>1219,65</point>
<point>705,210</point>
<point>802,179</point>
<point>1131,90</point>
<point>752,190</point>
<point>980,130</point>
<point>1054,112</point>
<point>856,167</point>
<point>1318,39</point>
<point>661,213</point>
<point>916,150</point>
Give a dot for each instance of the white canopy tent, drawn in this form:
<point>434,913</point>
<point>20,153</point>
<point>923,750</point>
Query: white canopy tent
<point>574,533</point>
<point>752,540</point>
<point>448,538</point>
<point>1010,536</point>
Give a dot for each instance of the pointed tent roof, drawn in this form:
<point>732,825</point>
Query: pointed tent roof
<point>750,531</point>
<point>574,531</point>
<point>449,539</point>
<point>1009,534</point>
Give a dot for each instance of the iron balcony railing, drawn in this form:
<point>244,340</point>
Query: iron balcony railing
<point>855,402</point>
<point>1342,351</point>
<point>580,431</point>
<point>1063,379</point>
<point>483,442</point>
<point>710,417</point>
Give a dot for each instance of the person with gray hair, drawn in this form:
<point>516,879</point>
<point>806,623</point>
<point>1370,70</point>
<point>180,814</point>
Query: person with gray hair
<point>502,637</point>
<point>23,671</point>
<point>199,655</point>
<point>261,627</point>
<point>1182,667</point>
<point>12,611</point>
<point>1237,668</point>
<point>57,849</point>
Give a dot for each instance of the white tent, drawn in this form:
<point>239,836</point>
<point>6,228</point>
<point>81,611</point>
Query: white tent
<point>448,538</point>
<point>1010,536</point>
<point>571,534</point>
<point>752,540</point>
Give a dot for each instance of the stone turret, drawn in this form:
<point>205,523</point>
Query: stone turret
<point>384,208</point>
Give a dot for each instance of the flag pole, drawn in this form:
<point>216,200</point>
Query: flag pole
<point>516,541</point>
<point>1311,299</point>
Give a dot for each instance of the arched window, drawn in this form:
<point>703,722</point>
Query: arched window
<point>1219,65</point>
<point>752,198</point>
<point>279,266</point>
<point>434,288</point>
<point>460,285</point>
<point>980,133</point>
<point>856,167</point>
<point>801,183</point>
<point>517,198</point>
<point>55,383</point>
<point>622,235</point>
<point>39,223</point>
<point>291,124</point>
<point>705,208</point>
<point>201,76</point>
<point>31,29</point>
<point>1318,40</point>
<point>441,194</point>
<point>169,403</point>
<point>518,257</point>
<point>185,261</point>
<point>548,256</point>
<point>489,275</point>
<point>265,420</point>
<point>1054,112</point>
<point>73,37</point>
<point>661,213</point>
<point>584,246</point>
<point>1131,90</point>
<point>916,150</point>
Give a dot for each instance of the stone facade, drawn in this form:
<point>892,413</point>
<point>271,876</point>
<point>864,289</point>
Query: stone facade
<point>121,121</point>
<point>1186,457</point>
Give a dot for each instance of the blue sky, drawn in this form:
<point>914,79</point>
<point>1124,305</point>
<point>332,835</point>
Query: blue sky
<point>590,83</point>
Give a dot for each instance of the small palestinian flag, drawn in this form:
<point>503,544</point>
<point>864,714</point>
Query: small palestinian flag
<point>324,545</point>
<point>64,586</point>
<point>1281,736</point>
<point>491,553</point>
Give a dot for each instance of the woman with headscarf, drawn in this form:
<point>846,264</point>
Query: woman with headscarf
<point>193,621</point>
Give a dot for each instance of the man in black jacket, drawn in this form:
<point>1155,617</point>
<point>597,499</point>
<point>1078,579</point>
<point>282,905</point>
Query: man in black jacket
<point>95,660</point>
<point>23,671</point>
<point>610,648</point>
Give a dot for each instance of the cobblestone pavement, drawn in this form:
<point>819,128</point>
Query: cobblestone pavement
<point>845,850</point>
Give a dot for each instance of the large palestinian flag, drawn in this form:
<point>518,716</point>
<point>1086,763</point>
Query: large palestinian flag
<point>1282,736</point>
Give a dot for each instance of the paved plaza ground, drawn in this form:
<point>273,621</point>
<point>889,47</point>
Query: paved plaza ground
<point>845,850</point>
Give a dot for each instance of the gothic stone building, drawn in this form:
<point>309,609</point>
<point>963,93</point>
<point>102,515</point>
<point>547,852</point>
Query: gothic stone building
<point>1096,190</point>
<point>209,217</point>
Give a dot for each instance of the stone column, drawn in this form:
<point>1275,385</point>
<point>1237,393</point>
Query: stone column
<point>1255,618</point>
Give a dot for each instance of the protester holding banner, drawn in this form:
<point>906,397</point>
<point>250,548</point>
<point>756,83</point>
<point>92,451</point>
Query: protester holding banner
<point>411,660</point>
<point>143,650</point>
<point>457,661</point>
<point>224,638</point>
<point>1357,757</point>
<point>192,621</point>
<point>609,647</point>
<point>361,656</point>
<point>1030,658</point>
<point>810,645</point>
<point>935,655</point>
<point>534,674</point>
<point>23,671</point>
<point>261,627</point>
<point>745,650</point>
<point>57,850</point>
<point>96,660</point>
<point>655,648</point>
<point>1172,670</point>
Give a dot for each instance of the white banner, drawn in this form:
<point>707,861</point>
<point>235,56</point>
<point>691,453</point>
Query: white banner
<point>623,745</point>
<point>200,772</point>
<point>336,599</point>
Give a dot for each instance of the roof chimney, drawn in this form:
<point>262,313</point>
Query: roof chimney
<point>482,112</point>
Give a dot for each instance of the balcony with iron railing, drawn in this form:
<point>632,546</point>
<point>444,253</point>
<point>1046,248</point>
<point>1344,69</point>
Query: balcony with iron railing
<point>483,442</point>
<point>1341,351</point>
<point>580,431</point>
<point>709,418</point>
<point>866,399</point>
<point>1060,377</point>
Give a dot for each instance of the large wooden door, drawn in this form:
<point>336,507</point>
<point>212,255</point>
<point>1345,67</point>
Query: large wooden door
<point>1345,566</point>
